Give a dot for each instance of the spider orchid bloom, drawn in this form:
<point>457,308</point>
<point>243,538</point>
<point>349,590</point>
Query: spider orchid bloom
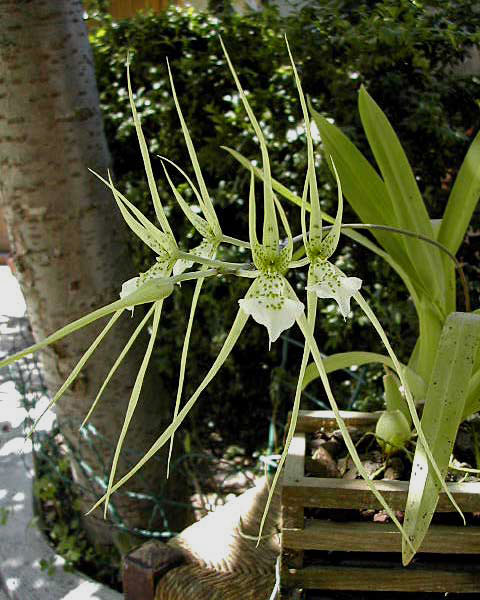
<point>324,278</point>
<point>162,243</point>
<point>269,300</point>
<point>327,281</point>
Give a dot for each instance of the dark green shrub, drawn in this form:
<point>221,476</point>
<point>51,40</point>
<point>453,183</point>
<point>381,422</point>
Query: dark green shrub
<point>402,52</point>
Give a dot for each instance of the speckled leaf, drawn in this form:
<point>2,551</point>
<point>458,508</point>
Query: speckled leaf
<point>442,415</point>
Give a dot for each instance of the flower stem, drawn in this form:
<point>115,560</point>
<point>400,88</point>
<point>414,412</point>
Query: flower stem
<point>212,262</point>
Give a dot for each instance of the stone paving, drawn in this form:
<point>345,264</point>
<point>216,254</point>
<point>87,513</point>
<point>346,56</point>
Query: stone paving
<point>22,545</point>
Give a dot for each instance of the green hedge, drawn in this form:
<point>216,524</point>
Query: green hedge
<point>405,56</point>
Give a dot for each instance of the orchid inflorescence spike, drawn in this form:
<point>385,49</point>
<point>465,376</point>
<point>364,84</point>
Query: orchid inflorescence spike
<point>271,301</point>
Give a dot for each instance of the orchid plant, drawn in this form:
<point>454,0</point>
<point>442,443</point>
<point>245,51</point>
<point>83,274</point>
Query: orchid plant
<point>444,367</point>
<point>270,300</point>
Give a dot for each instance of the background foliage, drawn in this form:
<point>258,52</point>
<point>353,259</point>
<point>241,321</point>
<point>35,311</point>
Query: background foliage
<point>405,53</point>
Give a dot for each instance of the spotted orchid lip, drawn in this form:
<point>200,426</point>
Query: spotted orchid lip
<point>266,302</point>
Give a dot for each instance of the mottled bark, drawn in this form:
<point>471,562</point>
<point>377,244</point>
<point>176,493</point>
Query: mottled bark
<point>67,236</point>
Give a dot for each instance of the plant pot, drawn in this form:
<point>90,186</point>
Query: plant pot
<point>320,553</point>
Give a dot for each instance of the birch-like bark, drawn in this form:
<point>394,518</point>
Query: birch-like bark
<point>68,241</point>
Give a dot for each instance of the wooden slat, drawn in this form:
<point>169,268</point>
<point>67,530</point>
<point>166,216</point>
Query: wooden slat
<point>425,579</point>
<point>340,493</point>
<point>310,421</point>
<point>293,515</point>
<point>294,469</point>
<point>378,537</point>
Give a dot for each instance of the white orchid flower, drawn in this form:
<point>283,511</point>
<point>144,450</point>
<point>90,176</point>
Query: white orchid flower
<point>327,281</point>
<point>267,304</point>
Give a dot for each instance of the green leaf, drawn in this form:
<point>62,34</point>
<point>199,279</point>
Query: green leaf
<point>394,399</point>
<point>408,396</point>
<point>363,188</point>
<point>407,201</point>
<point>442,415</point>
<point>463,199</point>
<point>344,360</point>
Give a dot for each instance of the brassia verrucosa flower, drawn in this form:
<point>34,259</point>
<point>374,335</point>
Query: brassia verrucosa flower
<point>270,300</point>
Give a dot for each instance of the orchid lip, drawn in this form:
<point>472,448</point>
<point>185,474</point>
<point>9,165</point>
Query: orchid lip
<point>267,303</point>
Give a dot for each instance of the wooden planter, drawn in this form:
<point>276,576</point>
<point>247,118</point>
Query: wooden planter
<point>356,555</point>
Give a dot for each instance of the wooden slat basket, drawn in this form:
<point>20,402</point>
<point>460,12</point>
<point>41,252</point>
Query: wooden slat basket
<point>325,554</point>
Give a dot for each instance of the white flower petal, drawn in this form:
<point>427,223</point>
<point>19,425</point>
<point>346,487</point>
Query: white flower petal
<point>128,287</point>
<point>328,282</point>
<point>159,270</point>
<point>266,303</point>
<point>182,265</point>
<point>206,249</point>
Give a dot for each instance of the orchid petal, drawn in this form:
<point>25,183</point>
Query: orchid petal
<point>267,304</point>
<point>207,249</point>
<point>329,282</point>
<point>159,270</point>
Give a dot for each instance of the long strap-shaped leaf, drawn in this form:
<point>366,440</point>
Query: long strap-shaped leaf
<point>137,387</point>
<point>463,199</point>
<point>344,360</point>
<point>408,395</point>
<point>363,187</point>
<point>407,201</point>
<point>310,340</point>
<point>229,343</point>
<point>442,415</point>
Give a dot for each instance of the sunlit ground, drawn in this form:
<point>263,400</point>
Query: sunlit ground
<point>12,324</point>
<point>23,550</point>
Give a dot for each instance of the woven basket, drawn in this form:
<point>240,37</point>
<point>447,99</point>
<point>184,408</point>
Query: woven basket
<point>223,560</point>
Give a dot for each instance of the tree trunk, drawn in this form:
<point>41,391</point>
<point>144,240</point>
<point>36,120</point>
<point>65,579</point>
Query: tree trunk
<point>68,246</point>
